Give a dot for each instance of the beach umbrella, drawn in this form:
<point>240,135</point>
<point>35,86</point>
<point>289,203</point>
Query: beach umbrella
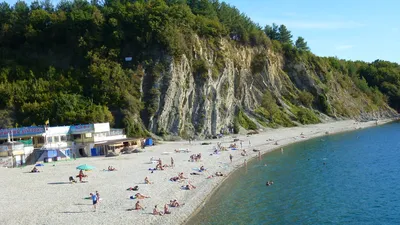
<point>85,167</point>
<point>39,164</point>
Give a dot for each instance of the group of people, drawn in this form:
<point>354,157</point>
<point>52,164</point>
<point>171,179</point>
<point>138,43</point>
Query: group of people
<point>172,203</point>
<point>160,166</point>
<point>180,177</point>
<point>156,211</point>
<point>195,157</point>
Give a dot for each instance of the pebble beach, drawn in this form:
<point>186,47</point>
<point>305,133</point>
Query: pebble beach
<point>49,198</point>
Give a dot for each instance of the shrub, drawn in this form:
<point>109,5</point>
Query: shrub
<point>200,68</point>
<point>306,98</point>
<point>324,105</point>
<point>306,116</point>
<point>258,63</point>
<point>245,121</point>
<point>236,125</point>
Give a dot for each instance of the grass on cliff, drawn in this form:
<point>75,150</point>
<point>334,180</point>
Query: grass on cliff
<point>244,121</point>
<point>302,114</point>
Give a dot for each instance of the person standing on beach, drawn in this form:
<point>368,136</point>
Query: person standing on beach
<point>230,157</point>
<point>94,199</point>
<point>259,155</point>
<point>172,162</point>
<point>98,196</point>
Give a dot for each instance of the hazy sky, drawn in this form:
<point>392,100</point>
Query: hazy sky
<point>349,29</point>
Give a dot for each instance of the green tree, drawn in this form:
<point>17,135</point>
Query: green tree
<point>269,103</point>
<point>301,44</point>
<point>285,36</point>
<point>272,32</point>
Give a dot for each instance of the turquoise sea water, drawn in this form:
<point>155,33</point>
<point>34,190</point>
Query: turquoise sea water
<point>358,184</point>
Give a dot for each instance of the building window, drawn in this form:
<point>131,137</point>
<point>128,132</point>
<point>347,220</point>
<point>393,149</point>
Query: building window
<point>63,138</point>
<point>77,136</point>
<point>39,140</point>
<point>49,139</point>
<point>56,139</point>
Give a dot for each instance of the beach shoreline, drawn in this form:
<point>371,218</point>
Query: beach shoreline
<point>265,152</point>
<point>61,202</point>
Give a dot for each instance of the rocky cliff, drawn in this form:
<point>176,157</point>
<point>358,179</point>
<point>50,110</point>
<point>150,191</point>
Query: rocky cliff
<point>203,93</point>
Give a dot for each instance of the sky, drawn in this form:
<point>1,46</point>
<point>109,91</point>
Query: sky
<point>348,29</point>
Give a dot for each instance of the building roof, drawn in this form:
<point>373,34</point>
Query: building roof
<point>110,142</point>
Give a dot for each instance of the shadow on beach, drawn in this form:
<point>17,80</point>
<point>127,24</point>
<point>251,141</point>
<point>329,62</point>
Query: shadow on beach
<point>59,183</point>
<point>68,212</point>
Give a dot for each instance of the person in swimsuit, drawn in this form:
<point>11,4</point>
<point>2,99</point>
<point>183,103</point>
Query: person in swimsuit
<point>166,211</point>
<point>35,170</point>
<point>140,196</point>
<point>138,206</point>
<point>174,203</point>
<point>147,181</point>
<point>156,212</point>
<point>81,175</point>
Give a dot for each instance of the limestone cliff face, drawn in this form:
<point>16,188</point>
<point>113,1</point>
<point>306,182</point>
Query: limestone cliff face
<point>192,102</point>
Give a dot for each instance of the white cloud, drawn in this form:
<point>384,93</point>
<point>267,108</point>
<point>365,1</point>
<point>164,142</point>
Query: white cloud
<point>344,47</point>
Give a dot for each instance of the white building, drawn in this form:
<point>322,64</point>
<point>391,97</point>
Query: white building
<point>55,143</point>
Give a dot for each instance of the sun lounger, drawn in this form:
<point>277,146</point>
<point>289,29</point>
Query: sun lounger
<point>182,150</point>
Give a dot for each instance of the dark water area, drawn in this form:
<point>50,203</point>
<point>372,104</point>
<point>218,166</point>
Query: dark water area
<point>349,178</point>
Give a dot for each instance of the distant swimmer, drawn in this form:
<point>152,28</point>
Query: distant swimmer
<point>269,183</point>
<point>324,163</point>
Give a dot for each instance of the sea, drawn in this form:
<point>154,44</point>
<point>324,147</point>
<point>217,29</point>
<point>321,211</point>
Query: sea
<point>347,178</point>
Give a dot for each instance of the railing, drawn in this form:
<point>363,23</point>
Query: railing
<point>27,143</point>
<point>114,132</point>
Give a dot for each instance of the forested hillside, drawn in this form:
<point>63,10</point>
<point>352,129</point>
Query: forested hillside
<point>180,67</point>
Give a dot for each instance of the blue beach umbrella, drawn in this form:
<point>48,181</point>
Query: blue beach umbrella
<point>39,164</point>
<point>85,167</point>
